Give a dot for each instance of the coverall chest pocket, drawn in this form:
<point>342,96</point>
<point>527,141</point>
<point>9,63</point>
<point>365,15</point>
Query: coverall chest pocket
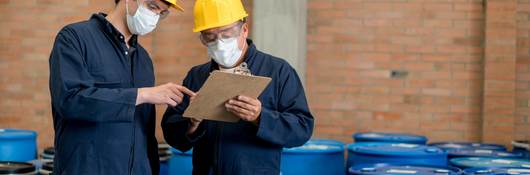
<point>106,79</point>
<point>105,68</point>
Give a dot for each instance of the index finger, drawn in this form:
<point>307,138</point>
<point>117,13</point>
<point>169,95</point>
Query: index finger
<point>186,91</point>
<point>196,119</point>
<point>246,99</point>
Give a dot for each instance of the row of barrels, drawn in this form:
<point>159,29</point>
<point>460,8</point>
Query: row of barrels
<point>370,154</point>
<point>19,156</point>
<point>395,154</point>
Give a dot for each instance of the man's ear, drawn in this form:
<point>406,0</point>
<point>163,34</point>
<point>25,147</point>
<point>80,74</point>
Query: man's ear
<point>245,30</point>
<point>133,5</point>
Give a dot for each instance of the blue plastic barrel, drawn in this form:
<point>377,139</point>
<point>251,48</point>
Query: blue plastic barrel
<point>482,162</point>
<point>468,145</point>
<point>395,153</point>
<point>180,162</point>
<point>522,147</point>
<point>496,171</point>
<point>164,154</point>
<point>389,138</point>
<point>18,145</point>
<point>396,169</point>
<point>482,153</point>
<point>164,165</point>
<point>316,157</point>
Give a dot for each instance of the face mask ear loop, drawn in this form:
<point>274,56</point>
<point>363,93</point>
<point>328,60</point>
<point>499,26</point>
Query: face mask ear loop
<point>244,46</point>
<point>137,5</point>
<point>127,7</point>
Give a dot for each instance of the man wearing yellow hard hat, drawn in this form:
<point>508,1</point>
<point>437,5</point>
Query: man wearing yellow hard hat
<point>279,117</point>
<point>103,93</point>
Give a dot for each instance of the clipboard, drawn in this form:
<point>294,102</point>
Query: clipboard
<point>210,101</point>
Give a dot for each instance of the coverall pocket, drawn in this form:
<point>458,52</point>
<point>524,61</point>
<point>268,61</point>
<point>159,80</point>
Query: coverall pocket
<point>105,76</point>
<point>82,161</point>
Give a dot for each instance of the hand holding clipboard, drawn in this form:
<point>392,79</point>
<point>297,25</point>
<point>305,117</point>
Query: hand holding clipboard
<point>210,101</point>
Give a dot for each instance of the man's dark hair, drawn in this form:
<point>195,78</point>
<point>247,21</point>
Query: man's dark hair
<point>242,21</point>
<point>116,1</point>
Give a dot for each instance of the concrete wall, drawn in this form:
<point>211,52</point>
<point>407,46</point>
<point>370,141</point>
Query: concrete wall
<point>280,30</point>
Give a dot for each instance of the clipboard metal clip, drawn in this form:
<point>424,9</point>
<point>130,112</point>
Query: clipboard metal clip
<point>243,69</point>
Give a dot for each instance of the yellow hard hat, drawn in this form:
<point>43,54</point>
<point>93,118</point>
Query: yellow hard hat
<point>175,4</point>
<point>216,13</point>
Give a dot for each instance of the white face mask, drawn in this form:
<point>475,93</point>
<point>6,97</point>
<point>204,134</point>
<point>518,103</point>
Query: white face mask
<point>143,21</point>
<point>225,52</point>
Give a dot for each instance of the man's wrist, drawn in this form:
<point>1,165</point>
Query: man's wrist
<point>256,122</point>
<point>140,96</point>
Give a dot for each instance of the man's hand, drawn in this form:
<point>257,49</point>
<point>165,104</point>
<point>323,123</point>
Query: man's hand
<point>169,93</point>
<point>246,108</point>
<point>194,124</point>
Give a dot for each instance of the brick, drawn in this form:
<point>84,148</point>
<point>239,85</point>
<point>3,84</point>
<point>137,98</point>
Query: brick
<point>419,66</point>
<point>436,92</point>
<point>386,116</point>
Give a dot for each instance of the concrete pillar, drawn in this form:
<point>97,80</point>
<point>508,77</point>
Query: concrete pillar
<point>279,28</point>
<point>499,71</point>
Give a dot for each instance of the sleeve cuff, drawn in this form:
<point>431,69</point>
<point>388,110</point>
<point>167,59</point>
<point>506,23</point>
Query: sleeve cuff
<point>266,118</point>
<point>197,134</point>
<point>129,103</point>
<point>130,95</point>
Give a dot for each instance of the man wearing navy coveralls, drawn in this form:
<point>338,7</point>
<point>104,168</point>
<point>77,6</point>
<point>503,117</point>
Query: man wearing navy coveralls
<point>101,84</point>
<point>278,118</point>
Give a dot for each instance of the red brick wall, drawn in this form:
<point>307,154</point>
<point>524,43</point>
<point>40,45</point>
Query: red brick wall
<point>467,65</point>
<point>522,120</point>
<point>354,45</point>
<point>26,37</point>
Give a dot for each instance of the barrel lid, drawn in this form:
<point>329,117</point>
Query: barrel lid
<point>178,152</point>
<point>16,167</point>
<point>525,144</point>
<point>164,151</point>
<point>472,162</point>
<point>389,137</point>
<point>164,154</point>
<point>496,171</point>
<point>47,156</point>
<point>47,166</point>
<point>49,151</point>
<point>17,134</point>
<point>468,145</point>
<point>482,153</point>
<point>163,146</point>
<point>164,158</point>
<point>317,146</point>
<point>394,169</point>
<point>398,149</point>
<point>353,146</point>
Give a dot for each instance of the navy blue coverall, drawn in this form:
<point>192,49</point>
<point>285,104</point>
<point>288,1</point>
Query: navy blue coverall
<point>94,79</point>
<point>243,148</point>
